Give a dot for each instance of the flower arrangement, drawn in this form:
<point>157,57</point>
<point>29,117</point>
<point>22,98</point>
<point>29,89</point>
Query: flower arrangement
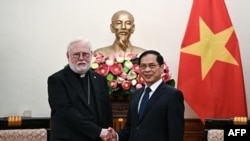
<point>123,73</point>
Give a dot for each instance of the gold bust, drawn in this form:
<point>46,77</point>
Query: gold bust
<point>122,25</point>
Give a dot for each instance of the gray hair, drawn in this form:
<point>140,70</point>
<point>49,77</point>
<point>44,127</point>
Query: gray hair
<point>78,39</point>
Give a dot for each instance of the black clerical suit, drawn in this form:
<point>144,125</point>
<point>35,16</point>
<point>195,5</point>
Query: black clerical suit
<point>78,111</point>
<point>162,119</point>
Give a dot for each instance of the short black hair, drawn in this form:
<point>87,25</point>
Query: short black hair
<point>159,57</point>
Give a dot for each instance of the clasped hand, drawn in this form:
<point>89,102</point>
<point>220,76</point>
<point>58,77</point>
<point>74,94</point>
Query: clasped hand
<point>108,134</point>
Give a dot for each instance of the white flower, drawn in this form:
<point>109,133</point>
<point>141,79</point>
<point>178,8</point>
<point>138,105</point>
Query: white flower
<point>134,82</point>
<point>94,65</point>
<point>119,59</point>
<point>120,80</point>
<point>128,64</point>
<point>131,75</point>
<point>127,58</point>
<point>109,62</point>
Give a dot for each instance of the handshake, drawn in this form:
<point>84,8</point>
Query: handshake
<point>108,134</point>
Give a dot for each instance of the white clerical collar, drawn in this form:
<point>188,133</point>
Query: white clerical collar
<point>82,75</point>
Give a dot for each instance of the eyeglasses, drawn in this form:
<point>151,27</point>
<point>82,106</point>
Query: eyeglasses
<point>151,66</point>
<point>83,54</point>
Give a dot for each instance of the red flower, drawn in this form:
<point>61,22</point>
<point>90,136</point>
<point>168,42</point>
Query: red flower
<point>165,77</point>
<point>113,84</point>
<point>136,68</point>
<point>116,69</point>
<point>103,69</point>
<point>132,56</point>
<point>140,80</point>
<point>126,85</point>
<point>123,73</point>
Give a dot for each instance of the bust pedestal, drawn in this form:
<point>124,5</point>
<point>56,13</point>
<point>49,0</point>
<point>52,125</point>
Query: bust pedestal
<point>120,105</point>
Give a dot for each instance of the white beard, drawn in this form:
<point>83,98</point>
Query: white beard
<point>79,69</point>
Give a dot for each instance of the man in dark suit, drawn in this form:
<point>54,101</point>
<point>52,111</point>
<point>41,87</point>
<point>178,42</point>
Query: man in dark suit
<point>163,116</point>
<point>78,97</point>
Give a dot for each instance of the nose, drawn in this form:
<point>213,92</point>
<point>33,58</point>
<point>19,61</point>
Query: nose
<point>147,69</point>
<point>123,26</point>
<point>81,57</point>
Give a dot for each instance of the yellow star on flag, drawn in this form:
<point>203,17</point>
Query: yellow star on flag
<point>211,47</point>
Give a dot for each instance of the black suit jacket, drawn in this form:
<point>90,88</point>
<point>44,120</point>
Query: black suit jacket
<point>72,119</point>
<point>163,118</point>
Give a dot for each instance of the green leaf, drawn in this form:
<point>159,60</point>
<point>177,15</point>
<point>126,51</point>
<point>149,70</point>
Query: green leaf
<point>125,69</point>
<point>110,77</point>
<point>171,82</point>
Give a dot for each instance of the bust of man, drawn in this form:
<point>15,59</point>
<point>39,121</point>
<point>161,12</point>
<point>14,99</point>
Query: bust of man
<point>122,25</point>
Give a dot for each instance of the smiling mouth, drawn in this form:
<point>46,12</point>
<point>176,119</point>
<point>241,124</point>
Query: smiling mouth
<point>147,76</point>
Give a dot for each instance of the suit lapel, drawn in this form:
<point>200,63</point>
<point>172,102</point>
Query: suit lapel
<point>153,99</point>
<point>137,100</point>
<point>95,85</point>
<point>73,80</point>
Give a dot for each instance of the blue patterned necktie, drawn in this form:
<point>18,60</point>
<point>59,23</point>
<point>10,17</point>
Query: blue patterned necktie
<point>144,101</point>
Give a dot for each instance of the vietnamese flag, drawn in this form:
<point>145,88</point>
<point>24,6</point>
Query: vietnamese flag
<point>210,70</point>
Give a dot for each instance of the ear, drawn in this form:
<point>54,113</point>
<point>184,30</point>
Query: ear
<point>92,53</point>
<point>112,28</point>
<point>162,68</point>
<point>133,29</point>
<point>67,54</point>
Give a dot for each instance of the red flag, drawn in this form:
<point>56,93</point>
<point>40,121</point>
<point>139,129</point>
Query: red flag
<point>210,69</point>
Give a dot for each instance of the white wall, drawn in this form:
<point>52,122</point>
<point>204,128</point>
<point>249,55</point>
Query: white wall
<point>34,35</point>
